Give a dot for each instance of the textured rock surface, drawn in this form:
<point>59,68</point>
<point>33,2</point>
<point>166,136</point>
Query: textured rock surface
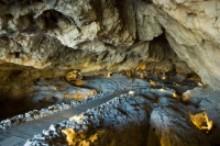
<point>44,33</point>
<point>211,105</point>
<point>88,35</point>
<point>83,34</point>
<point>111,35</point>
<point>126,120</point>
<point>126,112</point>
<point>192,29</point>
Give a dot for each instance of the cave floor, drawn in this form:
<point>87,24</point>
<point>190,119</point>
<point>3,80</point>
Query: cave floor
<point>118,102</point>
<point>19,134</point>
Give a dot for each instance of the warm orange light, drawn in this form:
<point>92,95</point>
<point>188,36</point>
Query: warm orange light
<point>80,95</point>
<point>79,82</point>
<point>70,135</point>
<point>141,66</point>
<point>72,75</point>
<point>201,121</point>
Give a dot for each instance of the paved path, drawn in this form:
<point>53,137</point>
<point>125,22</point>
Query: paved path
<point>16,136</point>
<point>115,86</point>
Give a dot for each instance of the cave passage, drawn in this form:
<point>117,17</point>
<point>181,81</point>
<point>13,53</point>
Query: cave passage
<point>109,73</point>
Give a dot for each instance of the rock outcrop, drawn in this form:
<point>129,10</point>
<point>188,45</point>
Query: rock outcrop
<point>83,34</point>
<point>192,28</point>
<point>93,35</point>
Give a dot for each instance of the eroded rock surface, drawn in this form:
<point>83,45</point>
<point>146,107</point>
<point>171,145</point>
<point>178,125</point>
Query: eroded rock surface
<point>192,28</point>
<point>43,39</point>
<point>45,33</point>
<point>87,35</point>
<point>111,35</point>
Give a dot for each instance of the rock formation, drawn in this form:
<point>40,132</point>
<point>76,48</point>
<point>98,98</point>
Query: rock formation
<point>93,35</point>
<point>48,47</point>
<point>87,35</point>
<point>192,28</point>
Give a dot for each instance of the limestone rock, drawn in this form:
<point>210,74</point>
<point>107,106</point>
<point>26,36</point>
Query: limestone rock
<point>103,34</point>
<point>89,35</point>
<point>34,31</point>
<point>166,130</point>
<point>147,25</point>
<point>192,29</point>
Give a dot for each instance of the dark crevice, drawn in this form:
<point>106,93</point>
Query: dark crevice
<point>160,49</point>
<point>50,18</point>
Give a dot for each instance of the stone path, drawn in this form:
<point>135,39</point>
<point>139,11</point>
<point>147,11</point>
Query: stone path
<point>16,136</point>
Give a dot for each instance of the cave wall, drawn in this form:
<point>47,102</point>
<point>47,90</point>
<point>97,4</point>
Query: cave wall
<point>193,30</point>
<point>113,35</point>
<point>88,35</point>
